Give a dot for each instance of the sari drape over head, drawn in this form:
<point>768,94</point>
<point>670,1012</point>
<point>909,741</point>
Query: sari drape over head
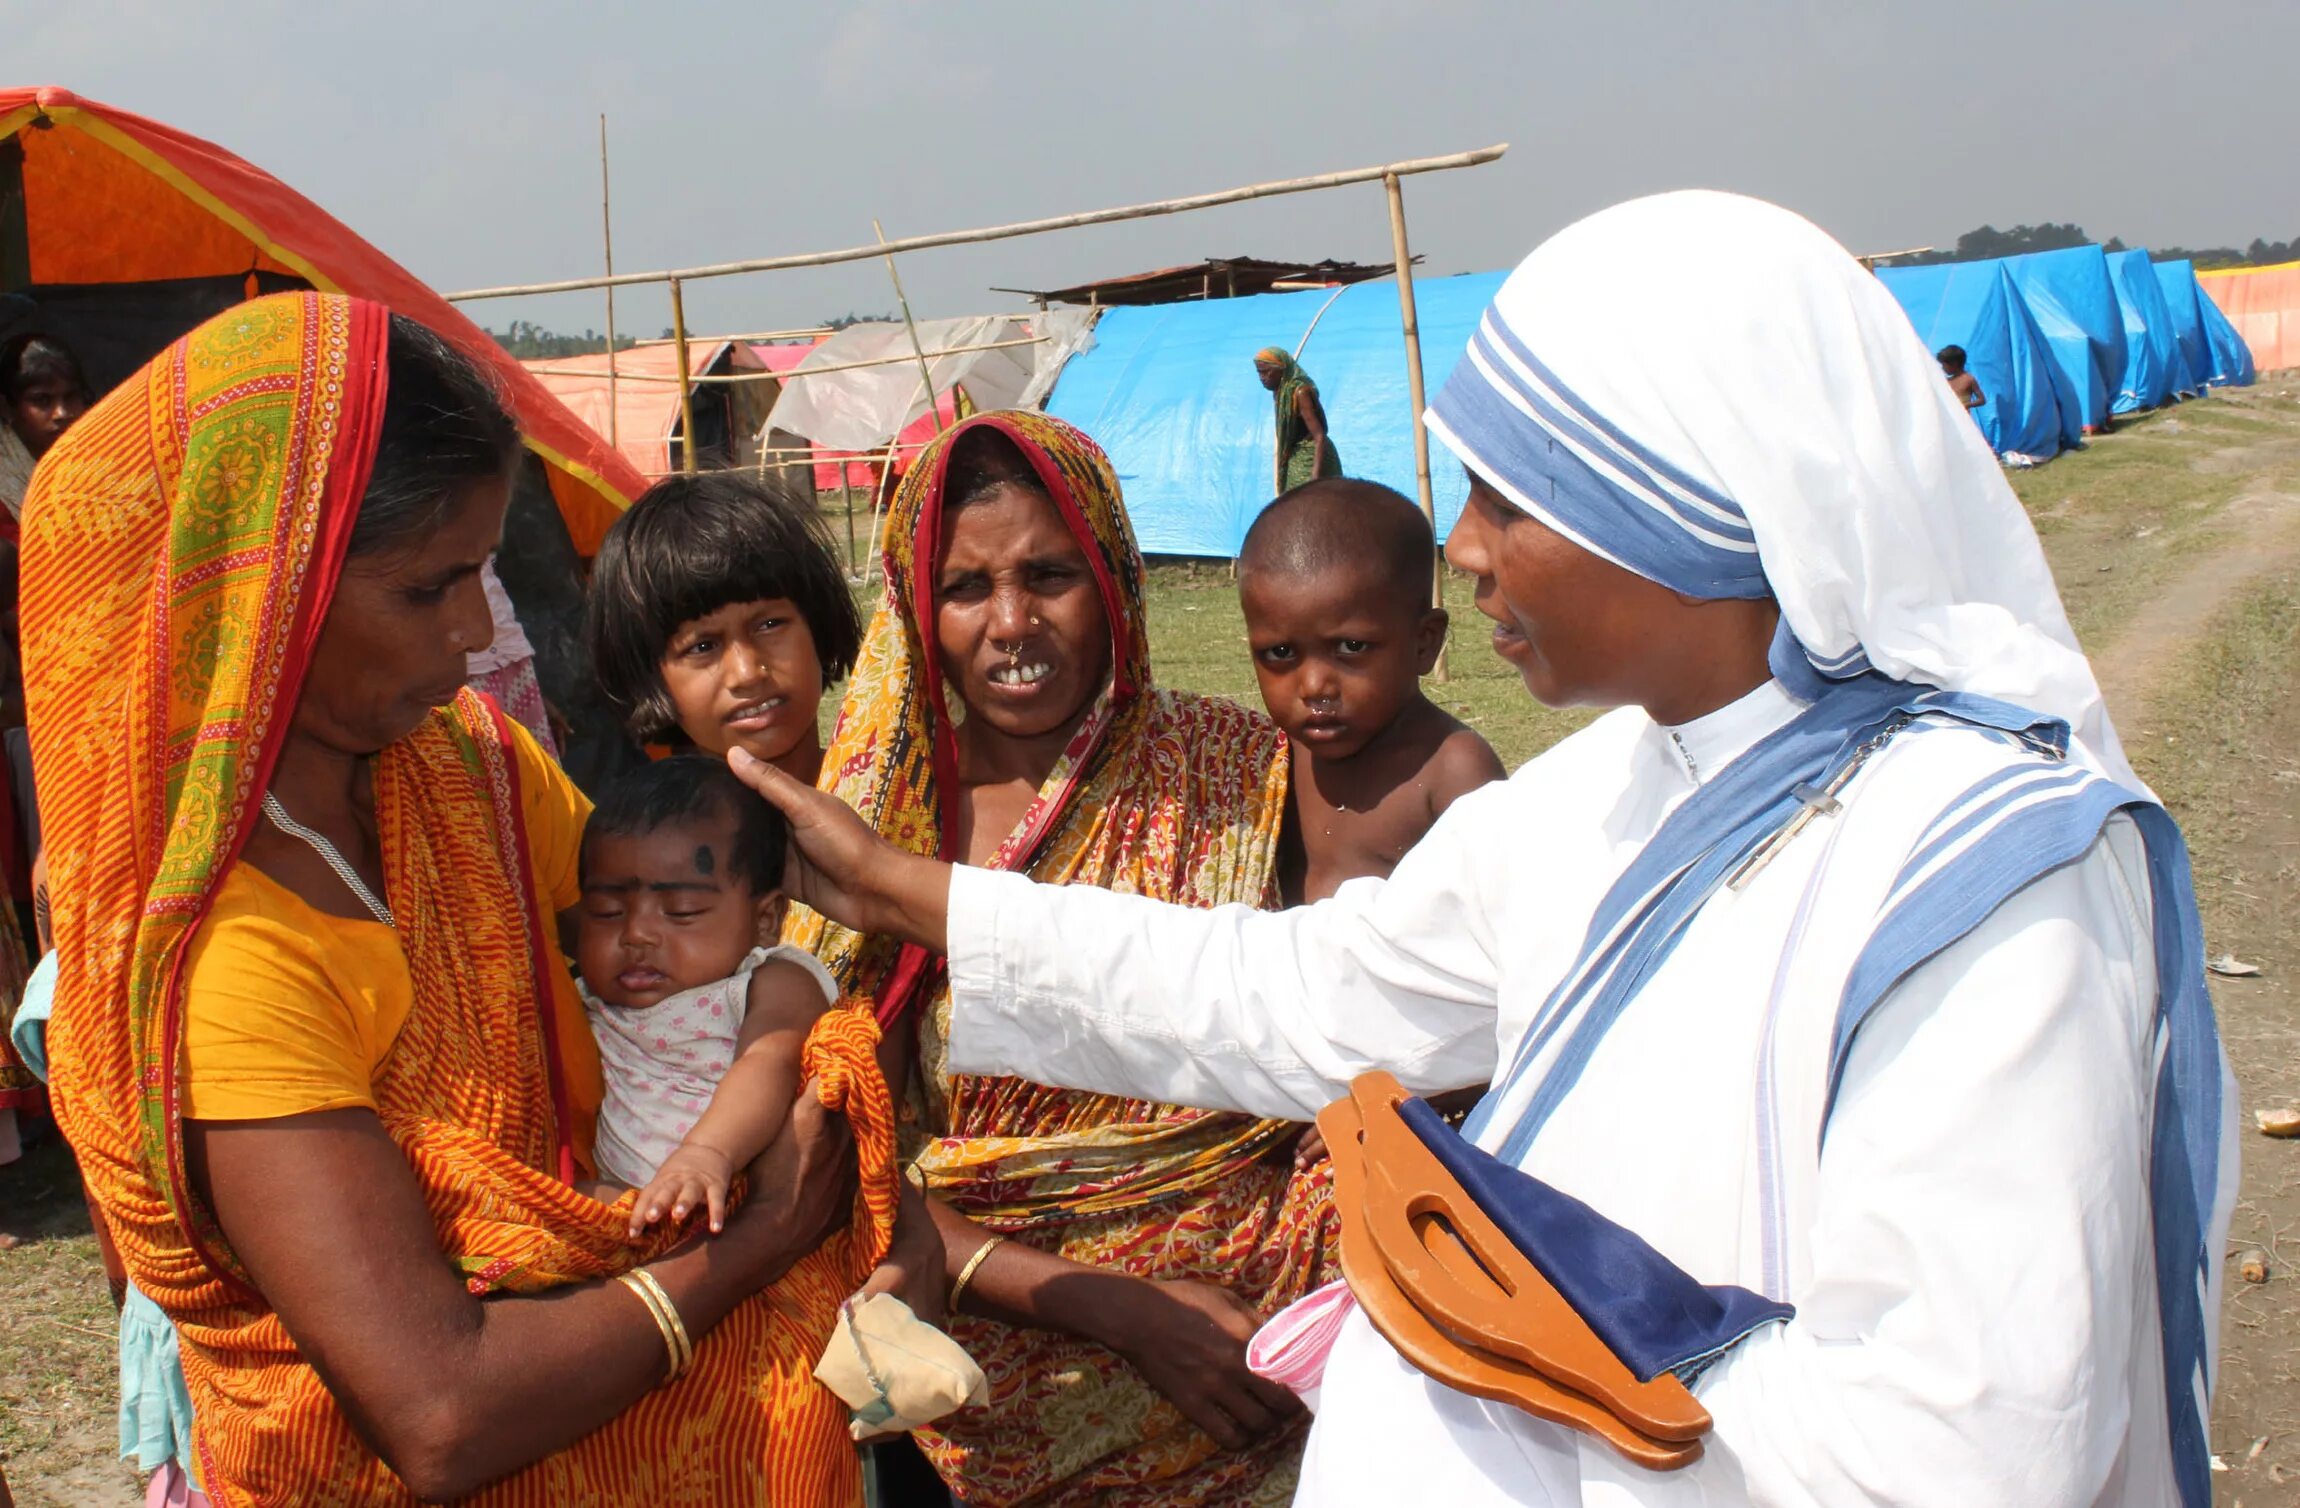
<point>182,545</point>
<point>1159,793</point>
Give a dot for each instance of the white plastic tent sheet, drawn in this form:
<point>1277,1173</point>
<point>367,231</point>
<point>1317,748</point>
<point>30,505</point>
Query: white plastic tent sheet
<point>1171,394</point>
<point>863,407</point>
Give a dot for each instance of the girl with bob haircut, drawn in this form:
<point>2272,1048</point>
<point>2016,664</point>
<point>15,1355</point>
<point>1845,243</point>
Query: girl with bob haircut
<point>719,616</point>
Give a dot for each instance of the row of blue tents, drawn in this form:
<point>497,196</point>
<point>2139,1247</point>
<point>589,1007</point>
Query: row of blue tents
<point>2063,340</point>
<point>2059,340</point>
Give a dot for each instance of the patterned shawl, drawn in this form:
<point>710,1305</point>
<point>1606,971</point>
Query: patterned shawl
<point>1159,793</point>
<point>1163,794</point>
<point>182,545</point>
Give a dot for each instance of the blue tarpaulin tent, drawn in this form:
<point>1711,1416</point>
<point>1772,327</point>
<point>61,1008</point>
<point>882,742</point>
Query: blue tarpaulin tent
<point>1170,392</point>
<point>2217,355</point>
<point>2176,283</point>
<point>2232,364</point>
<point>1976,306</point>
<point>2073,285</point>
<point>2078,382</point>
<point>2154,370</point>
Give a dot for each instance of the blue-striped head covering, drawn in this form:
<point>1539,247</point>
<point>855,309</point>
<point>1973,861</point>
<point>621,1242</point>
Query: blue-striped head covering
<point>1516,423</point>
<point>1706,390</point>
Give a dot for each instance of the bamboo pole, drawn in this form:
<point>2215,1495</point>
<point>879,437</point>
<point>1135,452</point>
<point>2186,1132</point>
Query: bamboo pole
<point>796,372</point>
<point>1871,259</point>
<point>1019,228</point>
<point>1411,326</point>
<point>607,239</point>
<point>762,335</point>
<point>686,383</point>
<point>933,405</point>
<point>878,496</point>
<point>847,505</point>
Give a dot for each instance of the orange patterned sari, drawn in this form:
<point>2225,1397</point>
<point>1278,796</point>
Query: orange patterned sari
<point>181,548</point>
<point>1162,794</point>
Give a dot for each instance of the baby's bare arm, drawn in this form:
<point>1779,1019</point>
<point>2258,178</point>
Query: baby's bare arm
<point>753,1100</point>
<point>750,1104</point>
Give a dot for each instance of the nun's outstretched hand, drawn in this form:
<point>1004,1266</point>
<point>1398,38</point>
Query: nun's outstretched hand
<point>843,869</point>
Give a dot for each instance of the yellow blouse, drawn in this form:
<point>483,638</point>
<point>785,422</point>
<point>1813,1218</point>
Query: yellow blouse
<point>289,1010</point>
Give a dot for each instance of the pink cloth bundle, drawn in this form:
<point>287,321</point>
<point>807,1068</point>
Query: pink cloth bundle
<point>1293,1346</point>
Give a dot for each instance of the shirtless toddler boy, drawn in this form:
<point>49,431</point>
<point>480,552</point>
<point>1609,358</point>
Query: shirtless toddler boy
<point>1335,578</point>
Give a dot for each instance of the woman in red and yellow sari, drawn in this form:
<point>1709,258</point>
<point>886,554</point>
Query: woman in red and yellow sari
<point>314,1044</point>
<point>1110,1256</point>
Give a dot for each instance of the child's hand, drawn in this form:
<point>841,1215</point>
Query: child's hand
<point>691,1177</point>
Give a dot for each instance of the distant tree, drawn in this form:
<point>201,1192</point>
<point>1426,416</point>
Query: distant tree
<point>841,321</point>
<point>529,341</point>
<point>1988,241</point>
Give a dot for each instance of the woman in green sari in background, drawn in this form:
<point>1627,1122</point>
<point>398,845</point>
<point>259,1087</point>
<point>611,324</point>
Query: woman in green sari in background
<point>1305,451</point>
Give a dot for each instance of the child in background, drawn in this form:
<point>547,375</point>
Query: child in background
<point>1334,578</point>
<point>719,616</point>
<point>700,1014</point>
<point>1964,384</point>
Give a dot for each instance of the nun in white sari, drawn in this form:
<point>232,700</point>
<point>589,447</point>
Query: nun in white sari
<point>1853,966</point>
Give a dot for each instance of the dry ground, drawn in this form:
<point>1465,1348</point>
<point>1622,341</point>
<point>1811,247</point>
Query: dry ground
<point>2177,545</point>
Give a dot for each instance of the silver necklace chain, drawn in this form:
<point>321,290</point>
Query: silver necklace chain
<point>327,851</point>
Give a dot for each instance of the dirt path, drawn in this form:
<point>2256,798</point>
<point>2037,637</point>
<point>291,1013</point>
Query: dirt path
<point>2259,535</point>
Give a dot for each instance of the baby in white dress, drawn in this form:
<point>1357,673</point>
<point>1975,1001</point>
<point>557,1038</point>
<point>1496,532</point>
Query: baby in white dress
<point>699,1014</point>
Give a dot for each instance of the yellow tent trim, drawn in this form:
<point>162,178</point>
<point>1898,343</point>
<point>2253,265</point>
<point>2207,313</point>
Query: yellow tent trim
<point>576,468</point>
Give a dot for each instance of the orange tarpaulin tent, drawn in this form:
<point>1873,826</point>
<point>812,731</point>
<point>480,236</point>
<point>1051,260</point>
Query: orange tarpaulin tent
<point>2263,303</point>
<point>108,198</point>
<point>645,401</point>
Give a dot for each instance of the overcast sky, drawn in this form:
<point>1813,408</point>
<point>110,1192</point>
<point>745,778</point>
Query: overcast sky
<point>462,137</point>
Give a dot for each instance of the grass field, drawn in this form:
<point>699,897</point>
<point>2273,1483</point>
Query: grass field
<point>2177,545</point>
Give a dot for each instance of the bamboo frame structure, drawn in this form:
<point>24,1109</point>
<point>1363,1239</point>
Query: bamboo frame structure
<point>686,382</point>
<point>1390,175</point>
<point>607,241</point>
<point>1004,232</point>
<point>1410,323</point>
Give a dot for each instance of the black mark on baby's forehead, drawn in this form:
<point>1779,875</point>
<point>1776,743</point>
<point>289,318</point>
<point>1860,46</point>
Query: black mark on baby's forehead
<point>706,862</point>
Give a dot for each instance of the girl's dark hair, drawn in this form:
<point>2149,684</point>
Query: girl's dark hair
<point>33,357</point>
<point>983,461</point>
<point>444,427</point>
<point>689,788</point>
<point>690,546</point>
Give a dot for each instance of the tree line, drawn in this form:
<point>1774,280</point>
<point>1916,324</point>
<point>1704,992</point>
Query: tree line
<point>1988,242</point>
<point>529,341</point>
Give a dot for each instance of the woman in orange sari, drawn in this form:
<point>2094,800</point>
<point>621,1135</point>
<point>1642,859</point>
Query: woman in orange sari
<point>314,1045</point>
<point>1110,1257</point>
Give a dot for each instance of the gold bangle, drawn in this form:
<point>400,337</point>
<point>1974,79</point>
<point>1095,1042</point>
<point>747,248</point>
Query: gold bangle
<point>676,1346</point>
<point>966,1273</point>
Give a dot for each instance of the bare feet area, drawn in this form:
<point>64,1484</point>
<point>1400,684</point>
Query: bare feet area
<point>2177,544</point>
